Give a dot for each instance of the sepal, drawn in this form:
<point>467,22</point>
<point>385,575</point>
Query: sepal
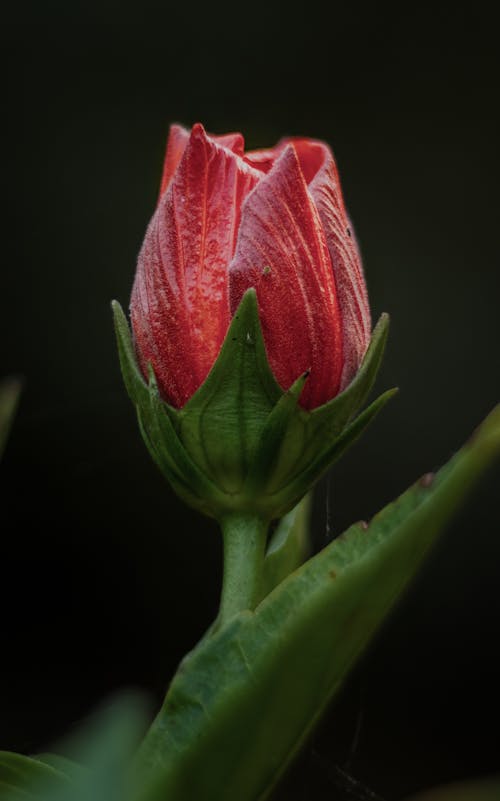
<point>241,443</point>
<point>157,424</point>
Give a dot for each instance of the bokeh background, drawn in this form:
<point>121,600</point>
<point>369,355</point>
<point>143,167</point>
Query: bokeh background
<point>107,580</point>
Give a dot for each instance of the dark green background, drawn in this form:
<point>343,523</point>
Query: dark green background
<point>107,579</point>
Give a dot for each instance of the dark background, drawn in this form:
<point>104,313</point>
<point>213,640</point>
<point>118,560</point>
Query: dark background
<point>106,578</point>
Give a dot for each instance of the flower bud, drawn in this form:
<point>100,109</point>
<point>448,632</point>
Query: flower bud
<point>225,221</point>
<point>250,323</point>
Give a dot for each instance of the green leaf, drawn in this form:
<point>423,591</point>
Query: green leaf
<point>98,770</point>
<point>25,777</point>
<point>62,764</point>
<point>10,793</point>
<point>104,745</point>
<point>243,702</point>
<point>10,389</point>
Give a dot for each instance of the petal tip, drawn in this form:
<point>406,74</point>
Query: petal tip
<point>198,131</point>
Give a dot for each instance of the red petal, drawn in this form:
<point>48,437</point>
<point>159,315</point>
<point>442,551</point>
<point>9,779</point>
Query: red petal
<point>263,160</point>
<point>310,154</point>
<point>282,252</point>
<point>233,141</point>
<point>346,260</point>
<point>178,138</point>
<point>179,306</point>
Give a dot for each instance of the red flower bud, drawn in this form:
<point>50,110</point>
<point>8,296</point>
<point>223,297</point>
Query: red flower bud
<point>226,221</point>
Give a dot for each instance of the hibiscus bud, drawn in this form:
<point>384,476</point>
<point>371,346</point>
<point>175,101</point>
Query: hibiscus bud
<point>251,322</point>
<point>274,220</point>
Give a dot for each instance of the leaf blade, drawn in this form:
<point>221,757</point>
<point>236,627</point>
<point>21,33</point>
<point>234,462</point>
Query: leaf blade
<point>243,703</point>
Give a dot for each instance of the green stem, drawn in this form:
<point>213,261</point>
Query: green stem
<point>244,547</point>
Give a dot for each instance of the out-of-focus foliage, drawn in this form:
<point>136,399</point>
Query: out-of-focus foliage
<point>10,389</point>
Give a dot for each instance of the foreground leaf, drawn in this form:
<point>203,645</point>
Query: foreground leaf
<point>30,779</point>
<point>100,752</point>
<point>243,702</point>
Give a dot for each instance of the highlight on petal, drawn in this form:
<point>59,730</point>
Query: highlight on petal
<point>325,189</point>
<point>282,252</point>
<point>233,141</point>
<point>311,155</point>
<point>180,305</point>
<point>178,138</point>
<point>320,172</point>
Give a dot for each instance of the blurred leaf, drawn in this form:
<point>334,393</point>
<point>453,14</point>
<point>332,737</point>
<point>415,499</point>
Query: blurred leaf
<point>28,778</point>
<point>481,790</point>
<point>10,389</point>
<point>243,702</point>
<point>100,754</point>
<point>104,746</point>
<point>64,765</point>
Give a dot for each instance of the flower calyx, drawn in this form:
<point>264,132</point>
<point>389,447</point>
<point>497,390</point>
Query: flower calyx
<point>241,443</point>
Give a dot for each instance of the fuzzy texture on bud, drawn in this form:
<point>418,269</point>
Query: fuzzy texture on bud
<point>226,221</point>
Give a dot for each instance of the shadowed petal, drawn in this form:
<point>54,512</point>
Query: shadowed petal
<point>326,192</point>
<point>310,154</point>
<point>281,251</point>
<point>263,160</point>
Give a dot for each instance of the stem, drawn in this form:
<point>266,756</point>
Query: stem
<point>244,546</point>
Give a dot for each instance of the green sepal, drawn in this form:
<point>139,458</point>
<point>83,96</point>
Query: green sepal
<point>343,406</point>
<point>293,438</point>
<point>132,377</point>
<point>174,458</point>
<point>156,423</point>
<point>241,443</point>
<point>281,441</point>
<point>244,701</point>
<point>298,446</point>
<point>222,422</point>
<point>305,480</point>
